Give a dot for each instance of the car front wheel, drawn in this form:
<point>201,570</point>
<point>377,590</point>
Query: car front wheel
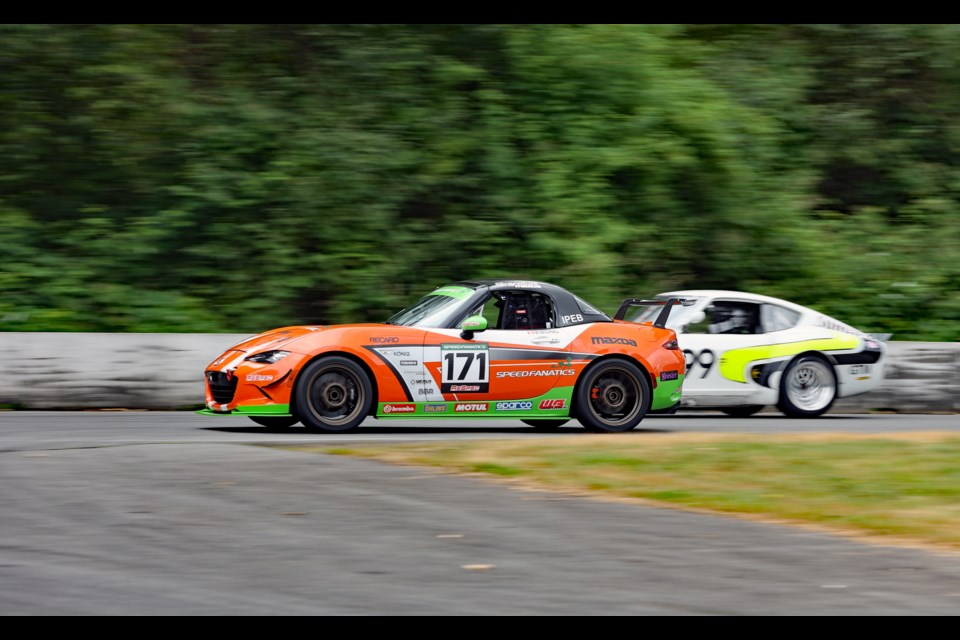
<point>333,395</point>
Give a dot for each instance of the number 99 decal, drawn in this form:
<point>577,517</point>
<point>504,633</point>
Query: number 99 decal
<point>705,359</point>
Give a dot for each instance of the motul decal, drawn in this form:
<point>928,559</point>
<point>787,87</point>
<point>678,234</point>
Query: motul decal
<point>464,407</point>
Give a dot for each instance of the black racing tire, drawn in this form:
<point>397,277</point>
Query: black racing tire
<point>742,412</point>
<point>612,396</point>
<point>333,395</point>
<point>275,422</point>
<point>808,387</point>
<point>546,425</point>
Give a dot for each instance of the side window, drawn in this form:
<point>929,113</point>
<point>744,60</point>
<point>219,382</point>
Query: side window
<point>727,317</point>
<point>776,318</point>
<point>491,311</point>
<point>520,310</point>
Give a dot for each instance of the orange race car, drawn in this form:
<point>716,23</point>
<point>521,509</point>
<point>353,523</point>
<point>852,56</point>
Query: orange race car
<point>484,348</point>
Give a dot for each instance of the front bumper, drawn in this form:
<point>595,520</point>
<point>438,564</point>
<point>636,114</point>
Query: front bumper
<point>274,410</point>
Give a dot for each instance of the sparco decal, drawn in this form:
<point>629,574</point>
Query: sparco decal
<point>557,403</point>
<point>399,408</point>
<point>514,406</point>
<point>626,341</point>
<point>535,373</point>
<point>471,406</point>
<point>389,339</point>
<point>434,408</point>
<point>669,375</point>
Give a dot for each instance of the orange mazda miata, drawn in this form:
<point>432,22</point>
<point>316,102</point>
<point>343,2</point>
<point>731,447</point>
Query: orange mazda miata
<point>526,350</point>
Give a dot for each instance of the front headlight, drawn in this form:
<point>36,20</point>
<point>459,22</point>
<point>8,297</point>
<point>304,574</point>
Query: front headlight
<point>268,357</point>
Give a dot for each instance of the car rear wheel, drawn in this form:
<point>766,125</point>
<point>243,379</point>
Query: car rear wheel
<point>275,422</point>
<point>742,412</point>
<point>546,425</point>
<point>612,396</point>
<point>333,395</point>
<point>808,387</point>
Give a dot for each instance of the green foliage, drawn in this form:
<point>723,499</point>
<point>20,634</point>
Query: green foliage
<point>239,177</point>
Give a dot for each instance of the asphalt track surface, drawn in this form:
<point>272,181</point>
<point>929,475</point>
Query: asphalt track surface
<point>149,513</point>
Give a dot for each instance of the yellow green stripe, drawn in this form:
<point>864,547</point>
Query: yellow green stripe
<point>733,364</point>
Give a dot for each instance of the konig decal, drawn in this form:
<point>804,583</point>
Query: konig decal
<point>555,403</point>
<point>468,407</point>
<point>399,408</point>
<point>514,406</point>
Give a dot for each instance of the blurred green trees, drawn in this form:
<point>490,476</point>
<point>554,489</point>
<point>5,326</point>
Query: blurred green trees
<point>239,177</point>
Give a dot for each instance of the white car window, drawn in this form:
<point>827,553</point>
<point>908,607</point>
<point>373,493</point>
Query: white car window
<point>776,318</point>
<point>726,317</point>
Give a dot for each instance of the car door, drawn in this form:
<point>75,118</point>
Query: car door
<point>520,362</point>
<point>725,325</point>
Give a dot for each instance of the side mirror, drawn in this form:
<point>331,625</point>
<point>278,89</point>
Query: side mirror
<point>473,324</point>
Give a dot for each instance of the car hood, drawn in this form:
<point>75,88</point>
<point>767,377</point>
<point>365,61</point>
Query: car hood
<point>274,339</point>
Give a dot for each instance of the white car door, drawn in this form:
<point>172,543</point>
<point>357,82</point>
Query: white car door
<point>718,325</point>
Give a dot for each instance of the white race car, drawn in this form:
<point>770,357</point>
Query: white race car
<point>747,351</point>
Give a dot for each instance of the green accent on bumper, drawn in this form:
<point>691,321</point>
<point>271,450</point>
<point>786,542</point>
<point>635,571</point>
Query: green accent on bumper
<point>667,393</point>
<point>278,410</point>
<point>733,364</point>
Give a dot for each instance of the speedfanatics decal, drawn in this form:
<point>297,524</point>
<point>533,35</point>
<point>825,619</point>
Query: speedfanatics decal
<point>399,408</point>
<point>536,373</point>
<point>514,406</point>
<point>472,406</point>
<point>556,403</point>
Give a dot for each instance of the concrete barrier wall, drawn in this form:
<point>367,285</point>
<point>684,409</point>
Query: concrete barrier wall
<point>105,370</point>
<point>921,377</point>
<point>164,370</point>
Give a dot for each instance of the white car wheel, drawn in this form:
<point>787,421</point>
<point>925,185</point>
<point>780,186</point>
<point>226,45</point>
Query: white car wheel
<point>808,387</point>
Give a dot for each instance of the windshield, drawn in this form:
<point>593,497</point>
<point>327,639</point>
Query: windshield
<point>433,309</point>
<point>679,315</point>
